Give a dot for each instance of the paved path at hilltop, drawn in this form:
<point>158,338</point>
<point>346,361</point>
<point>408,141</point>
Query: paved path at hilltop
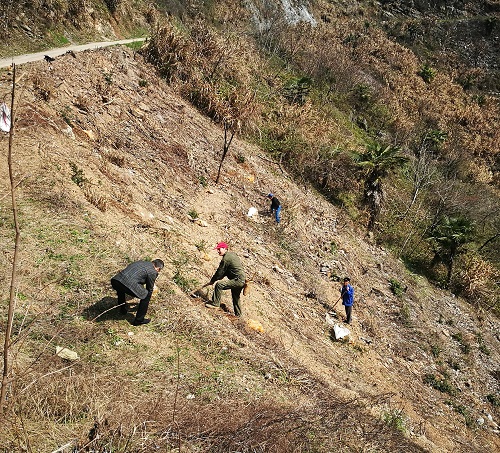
<point>20,59</point>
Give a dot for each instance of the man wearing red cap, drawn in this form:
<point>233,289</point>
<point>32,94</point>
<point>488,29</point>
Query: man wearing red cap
<point>230,267</point>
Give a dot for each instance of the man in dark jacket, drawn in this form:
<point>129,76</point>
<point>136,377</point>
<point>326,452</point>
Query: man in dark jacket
<point>347,294</point>
<point>230,267</point>
<point>131,280</point>
<point>275,207</point>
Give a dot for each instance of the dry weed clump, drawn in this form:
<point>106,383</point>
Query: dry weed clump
<point>207,69</point>
<point>115,157</point>
<point>43,87</point>
<point>477,280</point>
<point>95,197</point>
<point>168,50</point>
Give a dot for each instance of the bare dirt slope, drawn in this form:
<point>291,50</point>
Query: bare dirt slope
<point>110,162</point>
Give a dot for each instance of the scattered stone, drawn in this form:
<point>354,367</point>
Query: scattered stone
<point>66,353</point>
<point>190,397</point>
<point>255,325</point>
<point>68,131</point>
<point>90,134</point>
<point>278,269</point>
<point>366,340</point>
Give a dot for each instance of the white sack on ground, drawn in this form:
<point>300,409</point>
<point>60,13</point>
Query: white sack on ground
<point>340,332</point>
<point>252,211</point>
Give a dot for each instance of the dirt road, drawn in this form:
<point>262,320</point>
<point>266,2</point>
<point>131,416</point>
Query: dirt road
<point>20,59</point>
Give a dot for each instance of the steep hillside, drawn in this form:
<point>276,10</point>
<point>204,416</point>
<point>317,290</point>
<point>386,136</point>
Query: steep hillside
<point>110,166</point>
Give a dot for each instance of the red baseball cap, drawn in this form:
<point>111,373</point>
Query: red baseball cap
<point>221,245</point>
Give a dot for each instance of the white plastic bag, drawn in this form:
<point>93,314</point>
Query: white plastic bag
<point>340,332</point>
<point>4,118</point>
<point>252,211</point>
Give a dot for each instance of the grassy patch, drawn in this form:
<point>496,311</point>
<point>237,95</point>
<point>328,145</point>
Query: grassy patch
<point>464,411</point>
<point>494,400</point>
<point>465,346</point>
<point>397,288</point>
<point>181,264</point>
<point>441,384</point>
<point>135,45</point>
<point>395,418</point>
<point>405,315</point>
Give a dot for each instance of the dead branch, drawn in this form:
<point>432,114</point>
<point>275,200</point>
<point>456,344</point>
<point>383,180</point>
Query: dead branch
<point>10,315</point>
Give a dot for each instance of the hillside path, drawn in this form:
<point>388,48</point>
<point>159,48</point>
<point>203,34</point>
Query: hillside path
<point>26,58</point>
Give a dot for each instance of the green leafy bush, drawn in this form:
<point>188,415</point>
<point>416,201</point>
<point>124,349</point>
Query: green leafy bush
<point>396,419</point>
<point>443,385</point>
<point>77,175</point>
<point>397,287</point>
<point>427,73</point>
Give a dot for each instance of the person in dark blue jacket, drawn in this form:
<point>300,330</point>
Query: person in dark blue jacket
<point>131,281</point>
<point>347,294</point>
<point>275,207</point>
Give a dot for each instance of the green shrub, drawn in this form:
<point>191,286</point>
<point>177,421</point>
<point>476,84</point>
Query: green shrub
<point>395,418</point>
<point>297,91</point>
<point>201,246</point>
<point>454,364</point>
<point>443,385</point>
<point>397,287</point>
<point>482,345</point>
<point>435,350</point>
<point>405,315</point>
<point>465,346</point>
<point>493,399</point>
<point>427,73</point>
<point>77,176</point>
<point>193,214</point>
<point>112,5</point>
<point>203,181</point>
<point>462,410</point>
<point>185,283</point>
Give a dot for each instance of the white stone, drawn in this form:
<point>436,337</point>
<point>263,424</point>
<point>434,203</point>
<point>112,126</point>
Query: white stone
<point>66,353</point>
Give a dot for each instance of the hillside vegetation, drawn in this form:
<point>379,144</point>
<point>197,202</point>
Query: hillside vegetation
<point>386,165</point>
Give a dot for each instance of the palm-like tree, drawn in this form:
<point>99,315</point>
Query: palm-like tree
<point>377,161</point>
<point>448,237</point>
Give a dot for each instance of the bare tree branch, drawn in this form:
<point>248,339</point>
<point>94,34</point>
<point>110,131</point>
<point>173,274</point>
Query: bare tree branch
<point>10,316</point>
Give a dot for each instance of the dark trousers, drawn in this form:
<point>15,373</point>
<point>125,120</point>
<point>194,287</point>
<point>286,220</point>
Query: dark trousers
<point>236,288</point>
<point>121,291</point>
<point>348,313</point>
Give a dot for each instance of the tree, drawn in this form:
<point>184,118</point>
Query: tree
<point>229,131</point>
<point>377,162</point>
<point>449,237</point>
